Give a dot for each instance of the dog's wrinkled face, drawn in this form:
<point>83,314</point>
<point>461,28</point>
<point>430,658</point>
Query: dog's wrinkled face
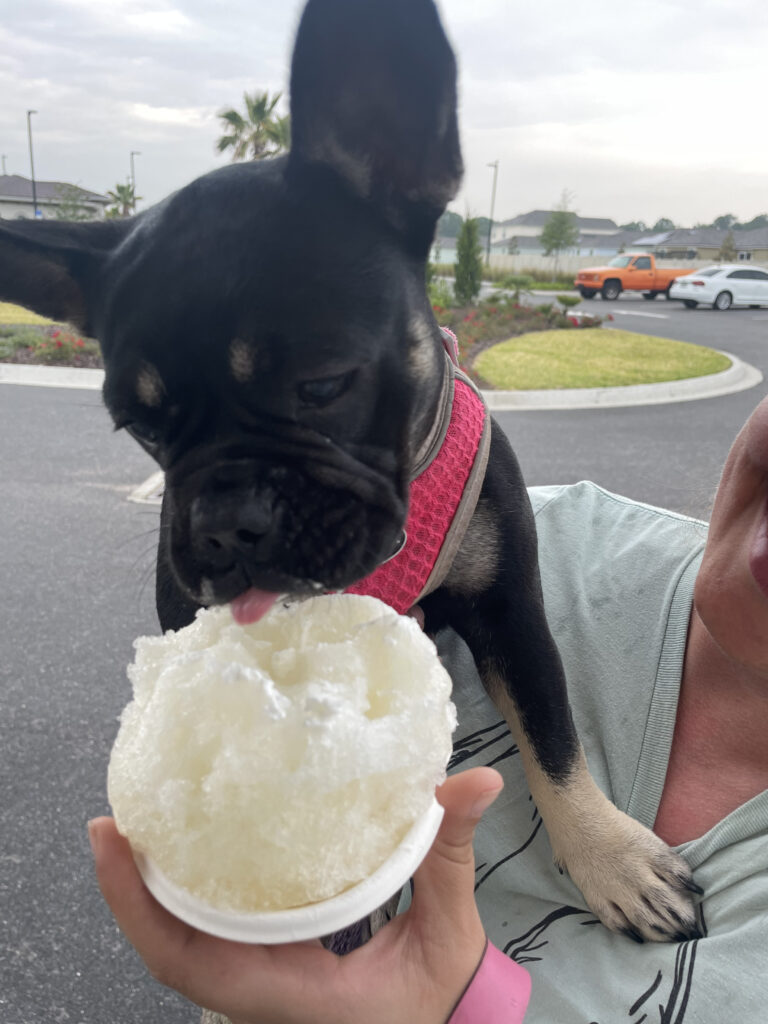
<point>266,331</point>
<point>274,375</point>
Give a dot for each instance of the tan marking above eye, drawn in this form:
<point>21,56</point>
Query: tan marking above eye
<point>149,386</point>
<point>241,360</point>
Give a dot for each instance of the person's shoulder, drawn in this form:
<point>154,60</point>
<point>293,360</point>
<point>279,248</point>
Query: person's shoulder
<point>587,500</point>
<point>587,519</point>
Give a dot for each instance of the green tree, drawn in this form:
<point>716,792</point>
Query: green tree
<point>517,284</point>
<point>70,204</point>
<point>449,225</point>
<point>724,222</point>
<point>483,226</point>
<point>663,224</point>
<point>257,133</point>
<point>760,221</point>
<point>634,225</point>
<point>124,201</point>
<point>469,263</point>
<point>279,134</point>
<point>728,253</point>
<point>560,232</point>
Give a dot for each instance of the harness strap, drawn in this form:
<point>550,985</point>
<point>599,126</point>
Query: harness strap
<point>442,499</point>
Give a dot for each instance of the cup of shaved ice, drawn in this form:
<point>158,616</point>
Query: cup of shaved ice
<point>276,779</point>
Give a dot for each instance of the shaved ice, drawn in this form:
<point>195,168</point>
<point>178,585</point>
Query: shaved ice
<point>277,764</point>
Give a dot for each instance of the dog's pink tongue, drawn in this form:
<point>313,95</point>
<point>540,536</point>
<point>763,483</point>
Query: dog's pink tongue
<point>252,605</point>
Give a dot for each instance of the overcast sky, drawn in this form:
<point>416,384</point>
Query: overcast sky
<point>640,110</point>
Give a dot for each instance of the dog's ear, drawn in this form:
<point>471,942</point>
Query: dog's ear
<point>373,96</point>
<point>52,267</point>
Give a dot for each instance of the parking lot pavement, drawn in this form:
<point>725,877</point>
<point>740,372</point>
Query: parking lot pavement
<point>76,561</point>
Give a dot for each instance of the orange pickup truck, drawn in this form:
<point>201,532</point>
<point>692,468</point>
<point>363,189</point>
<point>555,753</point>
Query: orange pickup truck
<point>633,272</point>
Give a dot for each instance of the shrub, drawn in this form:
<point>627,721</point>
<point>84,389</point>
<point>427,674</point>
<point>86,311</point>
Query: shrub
<point>469,263</point>
<point>54,345</point>
<point>61,346</point>
<point>517,283</point>
<point>12,338</point>
<point>440,293</point>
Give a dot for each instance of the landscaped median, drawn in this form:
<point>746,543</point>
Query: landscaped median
<point>592,358</point>
<point>26,337</point>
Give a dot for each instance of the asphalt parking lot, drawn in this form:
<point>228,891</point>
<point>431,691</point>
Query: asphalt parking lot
<point>77,560</point>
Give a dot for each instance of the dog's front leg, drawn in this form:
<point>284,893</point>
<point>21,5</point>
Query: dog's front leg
<point>629,877</point>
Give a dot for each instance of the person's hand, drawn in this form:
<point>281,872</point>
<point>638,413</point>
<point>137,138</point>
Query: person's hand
<point>416,968</point>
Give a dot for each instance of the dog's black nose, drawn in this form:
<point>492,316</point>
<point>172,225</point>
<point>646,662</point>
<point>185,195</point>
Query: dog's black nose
<point>225,534</point>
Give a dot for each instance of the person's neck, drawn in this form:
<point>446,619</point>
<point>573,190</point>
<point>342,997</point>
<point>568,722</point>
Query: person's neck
<point>727,700</point>
<point>719,756</point>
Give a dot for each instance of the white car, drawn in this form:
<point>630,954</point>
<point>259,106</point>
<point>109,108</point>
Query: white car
<point>723,286</point>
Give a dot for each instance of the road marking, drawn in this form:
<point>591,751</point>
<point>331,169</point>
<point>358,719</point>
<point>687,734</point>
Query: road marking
<point>151,491</point>
<point>631,312</point>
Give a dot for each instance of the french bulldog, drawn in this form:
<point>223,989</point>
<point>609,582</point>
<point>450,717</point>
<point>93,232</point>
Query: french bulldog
<point>268,339</point>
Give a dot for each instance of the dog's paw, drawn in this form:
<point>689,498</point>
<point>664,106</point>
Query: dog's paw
<point>631,879</point>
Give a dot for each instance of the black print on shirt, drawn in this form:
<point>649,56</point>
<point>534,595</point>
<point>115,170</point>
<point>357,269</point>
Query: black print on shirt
<point>673,1011</point>
<point>522,948</point>
<point>476,742</point>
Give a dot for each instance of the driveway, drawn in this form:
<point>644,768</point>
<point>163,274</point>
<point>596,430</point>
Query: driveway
<point>77,560</point>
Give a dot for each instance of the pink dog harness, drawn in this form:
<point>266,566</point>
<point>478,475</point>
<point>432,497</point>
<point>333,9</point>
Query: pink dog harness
<point>443,494</point>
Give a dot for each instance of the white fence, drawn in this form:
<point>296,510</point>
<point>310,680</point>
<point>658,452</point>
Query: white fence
<point>569,264</point>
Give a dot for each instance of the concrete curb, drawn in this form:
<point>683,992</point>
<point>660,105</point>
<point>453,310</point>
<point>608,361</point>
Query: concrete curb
<point>738,377</point>
<point>51,376</point>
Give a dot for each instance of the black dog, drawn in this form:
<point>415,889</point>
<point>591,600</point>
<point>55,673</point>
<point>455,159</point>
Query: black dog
<point>268,339</point>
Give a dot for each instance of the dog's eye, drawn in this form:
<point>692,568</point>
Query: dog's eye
<point>147,436</point>
<point>324,390</point>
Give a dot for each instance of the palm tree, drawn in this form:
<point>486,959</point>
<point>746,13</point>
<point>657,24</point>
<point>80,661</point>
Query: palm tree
<point>257,133</point>
<point>124,201</point>
<point>279,133</point>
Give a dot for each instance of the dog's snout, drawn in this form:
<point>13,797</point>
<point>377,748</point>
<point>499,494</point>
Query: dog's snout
<point>225,534</point>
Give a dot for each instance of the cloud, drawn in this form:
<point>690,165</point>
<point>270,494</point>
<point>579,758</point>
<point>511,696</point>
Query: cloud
<point>168,115</point>
<point>626,105</point>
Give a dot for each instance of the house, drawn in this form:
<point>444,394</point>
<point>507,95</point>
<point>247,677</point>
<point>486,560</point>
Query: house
<point>589,243</point>
<point>530,225</point>
<point>598,236</point>
<point>705,244</point>
<point>16,198</point>
<point>752,245</point>
<point>443,250</point>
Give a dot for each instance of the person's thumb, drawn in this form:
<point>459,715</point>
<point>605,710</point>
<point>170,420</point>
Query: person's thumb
<point>444,884</point>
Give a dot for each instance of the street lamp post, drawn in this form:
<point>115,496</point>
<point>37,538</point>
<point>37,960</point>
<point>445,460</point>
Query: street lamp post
<point>32,161</point>
<point>495,166</point>
<point>134,152</point>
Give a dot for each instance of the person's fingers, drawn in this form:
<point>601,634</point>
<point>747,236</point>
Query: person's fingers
<point>444,884</point>
<point>147,925</point>
<point>416,613</point>
<point>221,975</point>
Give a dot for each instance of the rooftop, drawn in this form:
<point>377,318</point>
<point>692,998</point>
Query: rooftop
<point>14,186</point>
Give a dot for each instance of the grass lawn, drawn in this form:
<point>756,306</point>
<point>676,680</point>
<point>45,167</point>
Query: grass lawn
<point>592,357</point>
<point>10,314</point>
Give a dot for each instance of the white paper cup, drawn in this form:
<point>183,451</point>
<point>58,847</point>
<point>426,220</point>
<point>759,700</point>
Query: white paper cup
<point>299,923</point>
